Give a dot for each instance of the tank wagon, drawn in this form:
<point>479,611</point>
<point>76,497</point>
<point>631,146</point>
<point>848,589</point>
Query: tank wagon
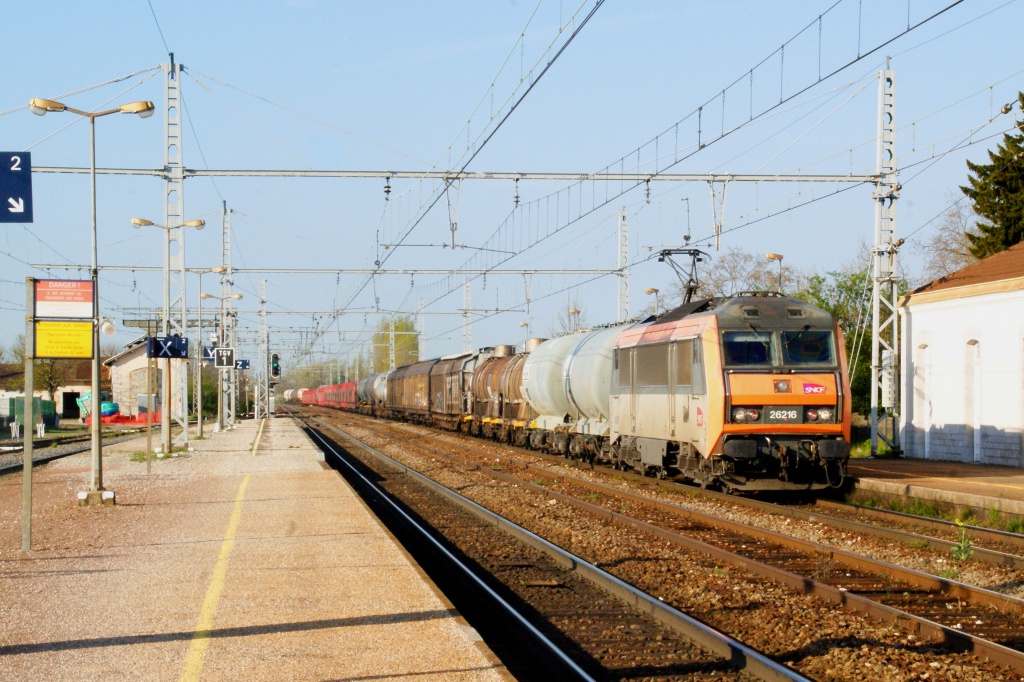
<point>499,409</point>
<point>746,393</point>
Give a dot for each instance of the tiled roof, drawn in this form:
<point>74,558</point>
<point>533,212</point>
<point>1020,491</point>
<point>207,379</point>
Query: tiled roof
<point>1007,264</point>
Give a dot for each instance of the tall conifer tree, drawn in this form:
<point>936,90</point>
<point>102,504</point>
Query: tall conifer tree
<point>997,190</point>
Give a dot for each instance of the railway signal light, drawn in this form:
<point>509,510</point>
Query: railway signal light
<point>275,365</point>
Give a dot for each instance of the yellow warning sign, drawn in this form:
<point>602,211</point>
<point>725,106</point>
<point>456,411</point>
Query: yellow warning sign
<point>55,340</point>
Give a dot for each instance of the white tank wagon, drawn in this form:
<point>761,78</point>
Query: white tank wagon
<point>380,388</point>
<point>544,389</point>
<point>587,373</point>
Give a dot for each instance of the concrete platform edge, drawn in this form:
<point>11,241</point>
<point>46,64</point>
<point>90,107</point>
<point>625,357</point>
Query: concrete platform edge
<point>468,631</point>
<point>944,496</point>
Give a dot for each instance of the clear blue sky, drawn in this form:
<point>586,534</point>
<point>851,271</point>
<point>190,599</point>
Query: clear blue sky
<point>389,86</point>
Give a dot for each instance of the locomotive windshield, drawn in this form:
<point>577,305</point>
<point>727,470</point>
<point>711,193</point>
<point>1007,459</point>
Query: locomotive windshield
<point>808,347</point>
<point>748,348</point>
<point>799,348</point>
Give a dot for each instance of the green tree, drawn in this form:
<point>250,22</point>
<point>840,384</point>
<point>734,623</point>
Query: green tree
<point>48,375</point>
<point>997,190</point>
<point>846,293</point>
<point>407,343</point>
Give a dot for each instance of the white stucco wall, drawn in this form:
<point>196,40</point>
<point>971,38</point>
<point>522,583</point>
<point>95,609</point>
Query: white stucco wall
<point>963,379</point>
<point>125,393</point>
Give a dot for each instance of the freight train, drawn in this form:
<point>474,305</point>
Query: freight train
<point>745,393</point>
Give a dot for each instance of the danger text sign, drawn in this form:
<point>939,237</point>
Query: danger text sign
<point>64,299</point>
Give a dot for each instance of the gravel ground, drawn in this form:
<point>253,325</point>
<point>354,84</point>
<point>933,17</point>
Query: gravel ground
<point>1001,579</point>
<point>821,640</point>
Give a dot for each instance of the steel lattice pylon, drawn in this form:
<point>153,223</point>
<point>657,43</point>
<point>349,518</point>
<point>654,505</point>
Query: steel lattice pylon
<point>174,402</point>
<point>884,291</point>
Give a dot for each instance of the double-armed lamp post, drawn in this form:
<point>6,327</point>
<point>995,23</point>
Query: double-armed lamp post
<point>165,401</point>
<point>199,351</point>
<point>143,109</point>
<point>221,340</point>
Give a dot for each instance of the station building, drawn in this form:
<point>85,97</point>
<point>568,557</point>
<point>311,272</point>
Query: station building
<point>128,379</point>
<point>963,364</point>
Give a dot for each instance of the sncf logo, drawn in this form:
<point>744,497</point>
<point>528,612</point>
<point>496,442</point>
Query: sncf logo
<point>813,388</point>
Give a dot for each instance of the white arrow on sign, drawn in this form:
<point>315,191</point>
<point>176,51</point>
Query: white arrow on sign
<point>16,206</point>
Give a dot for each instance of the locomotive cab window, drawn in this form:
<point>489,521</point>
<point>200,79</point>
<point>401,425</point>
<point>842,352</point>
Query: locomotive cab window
<point>808,347</point>
<point>747,348</point>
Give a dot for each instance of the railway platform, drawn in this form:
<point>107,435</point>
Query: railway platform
<point>961,484</point>
<point>246,559</point>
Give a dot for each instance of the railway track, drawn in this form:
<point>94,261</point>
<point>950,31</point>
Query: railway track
<point>961,616</point>
<point>13,460</point>
<point>585,627</point>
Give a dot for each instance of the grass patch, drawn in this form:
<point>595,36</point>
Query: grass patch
<point>862,449</point>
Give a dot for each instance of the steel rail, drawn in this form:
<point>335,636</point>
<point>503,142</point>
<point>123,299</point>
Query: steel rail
<point>917,625</point>
<point>40,456</point>
<point>740,655</point>
<point>989,534</point>
<point>989,556</point>
<point>384,498</point>
<point>983,554</point>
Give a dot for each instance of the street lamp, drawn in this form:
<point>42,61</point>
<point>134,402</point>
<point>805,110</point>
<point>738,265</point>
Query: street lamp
<point>652,290</point>
<point>165,402</point>
<point>574,319</point>
<point>778,257</point>
<point>220,373</point>
<point>144,110</point>
<point>525,325</point>
<point>199,351</point>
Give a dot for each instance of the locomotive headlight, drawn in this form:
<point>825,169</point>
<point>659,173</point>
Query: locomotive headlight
<point>812,414</point>
<point>825,414</point>
<point>739,414</point>
<point>753,415</point>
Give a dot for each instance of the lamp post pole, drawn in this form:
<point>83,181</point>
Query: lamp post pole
<point>221,338</point>
<point>199,355</point>
<point>199,368</point>
<point>144,109</point>
<point>166,409</point>
<point>778,257</point>
<point>654,292</point>
<point>96,485</point>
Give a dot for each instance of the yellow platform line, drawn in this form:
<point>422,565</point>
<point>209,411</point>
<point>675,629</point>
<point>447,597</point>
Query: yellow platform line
<point>256,443</point>
<point>201,638</point>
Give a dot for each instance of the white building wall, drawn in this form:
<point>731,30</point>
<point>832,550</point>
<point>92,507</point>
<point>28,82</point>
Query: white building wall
<point>963,379</point>
<point>128,382</point>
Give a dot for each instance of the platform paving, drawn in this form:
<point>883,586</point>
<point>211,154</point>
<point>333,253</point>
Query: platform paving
<point>225,563</point>
<point>980,486</point>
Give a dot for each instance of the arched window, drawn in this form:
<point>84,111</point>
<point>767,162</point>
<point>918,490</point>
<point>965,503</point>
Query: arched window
<point>922,404</point>
<point>972,398</point>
